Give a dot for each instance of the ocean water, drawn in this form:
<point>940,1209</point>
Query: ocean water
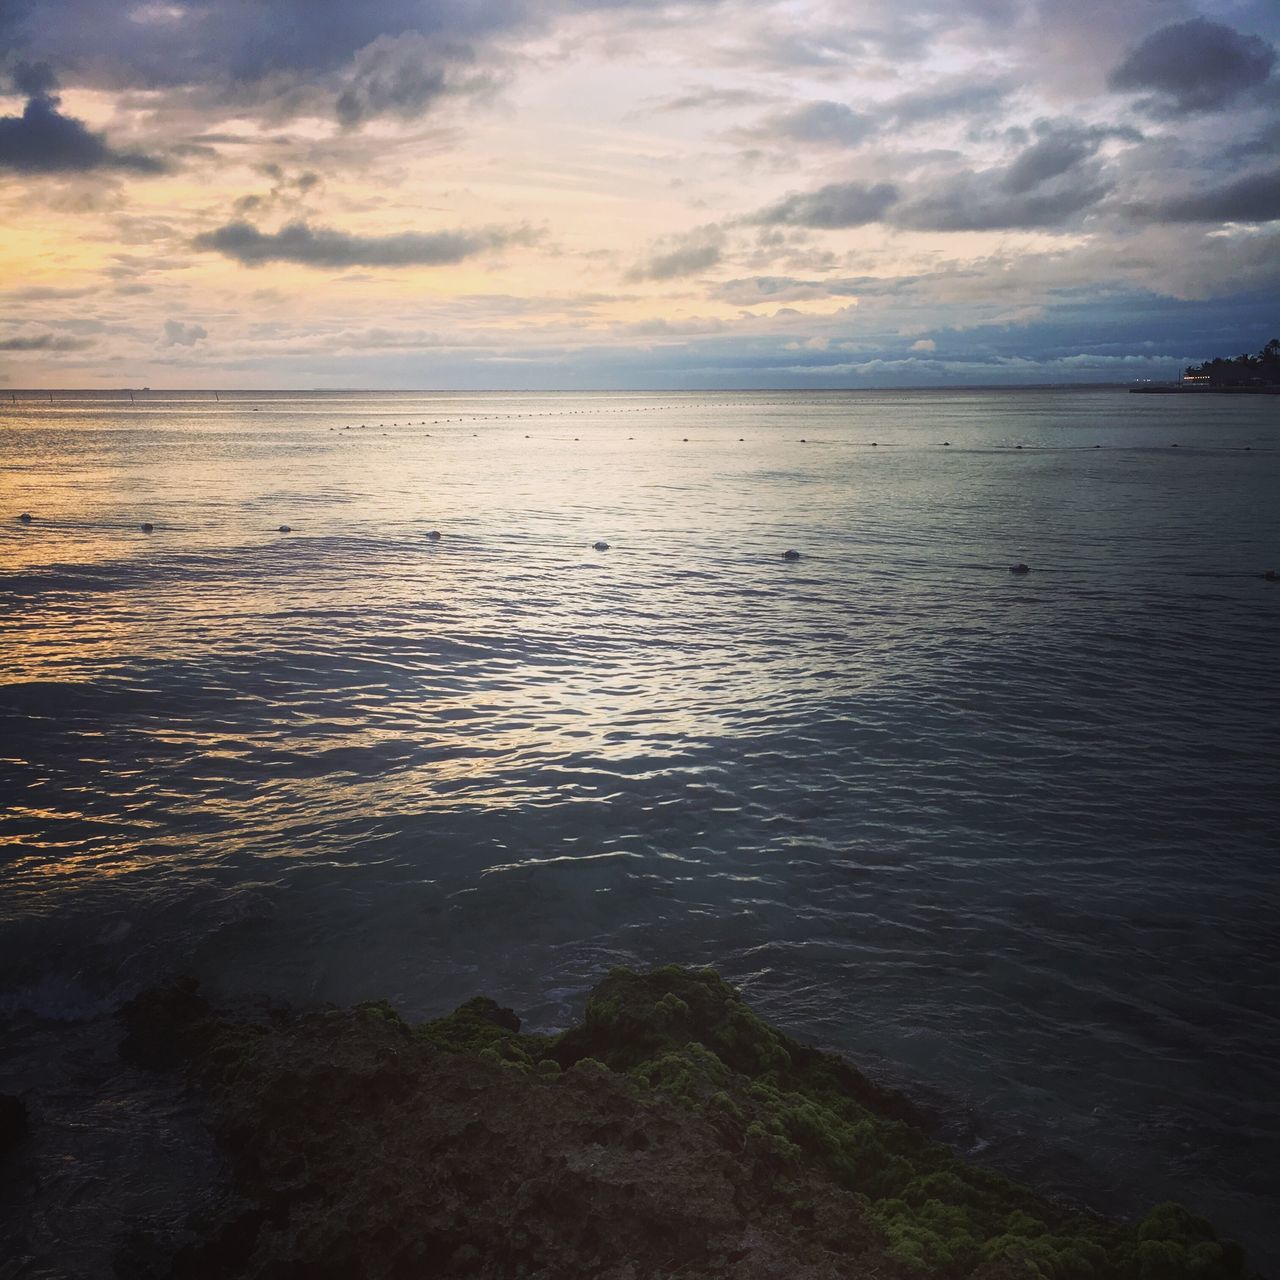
<point>1009,841</point>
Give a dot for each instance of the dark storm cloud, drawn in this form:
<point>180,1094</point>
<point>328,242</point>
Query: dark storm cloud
<point>1061,148</point>
<point>1047,184</point>
<point>1194,66</point>
<point>283,57</point>
<point>962,97</point>
<point>762,290</point>
<point>1048,158</point>
<point>839,204</point>
<point>681,255</point>
<point>324,247</point>
<point>399,77</point>
<point>835,124</point>
<point>45,342</point>
<point>826,124</point>
<point>979,201</point>
<point>34,80</point>
<point>177,334</point>
<point>244,41</point>
<point>1253,198</point>
<point>43,140</point>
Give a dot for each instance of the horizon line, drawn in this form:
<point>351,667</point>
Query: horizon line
<point>7,392</point>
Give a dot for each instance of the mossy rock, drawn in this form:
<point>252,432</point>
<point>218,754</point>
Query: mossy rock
<point>481,1026</point>
<point>672,1132</point>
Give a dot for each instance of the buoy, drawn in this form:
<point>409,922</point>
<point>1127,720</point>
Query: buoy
<point>286,528</point>
<point>1019,568</point>
<point>1017,446</point>
<point>946,444</point>
<point>803,440</point>
<point>600,546</point>
<point>874,445</point>
<point>25,517</point>
<point>1272,576</point>
<point>434,535</point>
<point>791,555</point>
<point>1173,446</point>
<point>147,528</point>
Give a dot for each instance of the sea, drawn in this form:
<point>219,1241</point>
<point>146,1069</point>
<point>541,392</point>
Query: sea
<point>331,696</point>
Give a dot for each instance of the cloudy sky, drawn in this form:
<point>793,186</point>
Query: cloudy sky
<point>629,193</point>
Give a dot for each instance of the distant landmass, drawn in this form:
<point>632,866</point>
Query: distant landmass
<point>1248,374</point>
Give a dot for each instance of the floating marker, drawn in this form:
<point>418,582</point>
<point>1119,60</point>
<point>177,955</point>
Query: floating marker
<point>147,528</point>
<point>791,555</point>
<point>286,528</point>
<point>600,546</point>
<point>434,535</point>
<point>1272,576</point>
<point>1019,568</point>
<point>25,517</point>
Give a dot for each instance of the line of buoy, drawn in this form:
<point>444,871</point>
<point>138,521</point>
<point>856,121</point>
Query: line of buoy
<point>434,535</point>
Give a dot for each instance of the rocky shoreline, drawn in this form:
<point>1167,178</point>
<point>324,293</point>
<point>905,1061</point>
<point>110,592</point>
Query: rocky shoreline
<point>670,1134</point>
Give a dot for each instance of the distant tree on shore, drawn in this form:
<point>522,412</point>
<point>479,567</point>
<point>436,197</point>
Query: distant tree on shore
<point>1244,370</point>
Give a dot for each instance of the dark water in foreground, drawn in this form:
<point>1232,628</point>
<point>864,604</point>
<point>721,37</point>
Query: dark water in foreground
<point>1010,839</point>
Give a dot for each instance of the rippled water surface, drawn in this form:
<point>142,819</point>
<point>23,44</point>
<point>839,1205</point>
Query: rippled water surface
<point>1011,839</point>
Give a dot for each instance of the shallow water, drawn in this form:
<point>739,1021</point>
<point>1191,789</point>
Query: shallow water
<point>1010,839</point>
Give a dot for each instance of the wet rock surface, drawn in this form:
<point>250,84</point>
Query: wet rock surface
<point>13,1122</point>
<point>671,1134</point>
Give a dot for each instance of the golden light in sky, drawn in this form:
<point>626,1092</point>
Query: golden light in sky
<point>213,194</point>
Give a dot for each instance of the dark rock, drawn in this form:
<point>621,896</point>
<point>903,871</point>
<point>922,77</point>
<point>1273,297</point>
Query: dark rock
<point>14,1122</point>
<point>490,1011</point>
<point>166,1026</point>
<point>671,1133</point>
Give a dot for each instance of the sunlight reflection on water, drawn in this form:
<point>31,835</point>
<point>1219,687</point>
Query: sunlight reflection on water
<point>1010,836</point>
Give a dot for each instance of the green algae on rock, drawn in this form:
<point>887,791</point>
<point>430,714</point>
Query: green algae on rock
<point>672,1133</point>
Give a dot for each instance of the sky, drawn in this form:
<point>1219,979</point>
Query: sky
<point>628,193</point>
